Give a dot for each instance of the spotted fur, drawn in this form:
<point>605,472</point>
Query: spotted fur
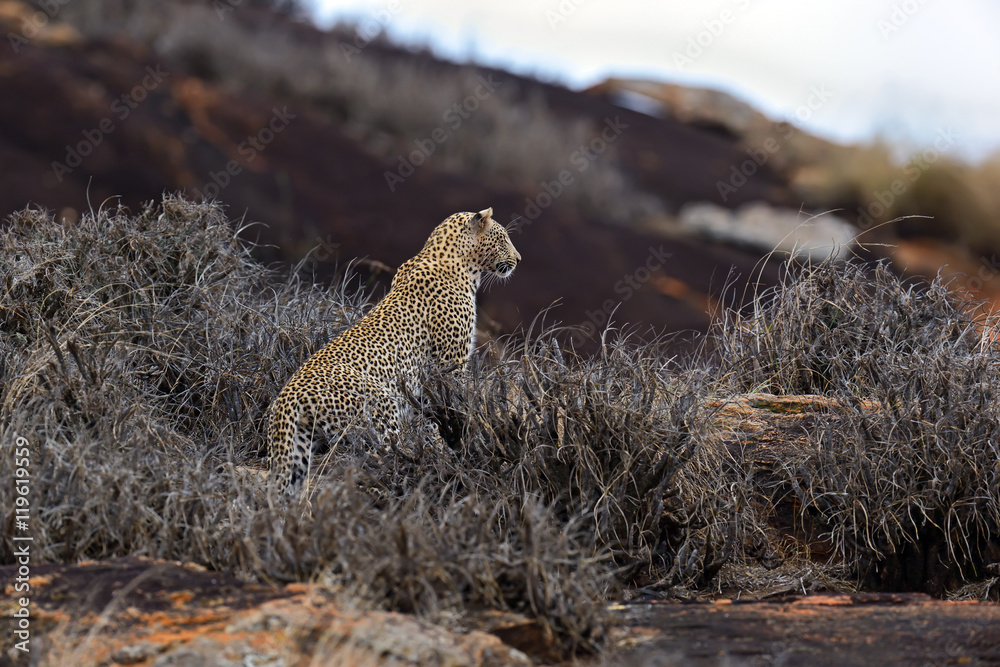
<point>428,318</point>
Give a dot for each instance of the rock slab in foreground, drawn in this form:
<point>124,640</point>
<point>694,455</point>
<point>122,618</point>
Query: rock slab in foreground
<point>134,611</point>
<point>858,629</point>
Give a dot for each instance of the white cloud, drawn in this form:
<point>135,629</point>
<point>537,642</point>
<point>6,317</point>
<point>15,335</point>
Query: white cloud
<point>900,67</point>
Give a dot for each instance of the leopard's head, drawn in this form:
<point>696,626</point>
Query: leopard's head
<point>492,250</point>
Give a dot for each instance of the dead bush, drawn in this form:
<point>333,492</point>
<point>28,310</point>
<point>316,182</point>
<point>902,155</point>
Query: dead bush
<point>904,477</point>
<point>833,326</point>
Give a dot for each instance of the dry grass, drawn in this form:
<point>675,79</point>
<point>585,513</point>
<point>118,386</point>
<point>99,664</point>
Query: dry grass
<point>607,443</point>
<point>907,483</point>
<point>931,193</point>
<point>140,352</point>
<point>833,327</point>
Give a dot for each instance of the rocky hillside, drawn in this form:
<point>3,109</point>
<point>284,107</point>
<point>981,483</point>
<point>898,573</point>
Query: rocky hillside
<point>350,148</point>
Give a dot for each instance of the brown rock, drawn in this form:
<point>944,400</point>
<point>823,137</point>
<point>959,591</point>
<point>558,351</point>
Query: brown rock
<point>136,611</point>
<point>870,629</point>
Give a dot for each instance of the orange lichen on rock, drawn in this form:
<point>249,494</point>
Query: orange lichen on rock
<point>136,611</point>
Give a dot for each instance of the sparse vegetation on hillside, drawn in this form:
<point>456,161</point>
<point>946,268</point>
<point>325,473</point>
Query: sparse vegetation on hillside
<point>138,354</point>
<point>395,103</point>
<point>932,193</point>
<point>468,121</point>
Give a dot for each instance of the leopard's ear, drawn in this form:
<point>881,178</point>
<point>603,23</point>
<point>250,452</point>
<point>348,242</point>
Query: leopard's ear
<point>483,218</point>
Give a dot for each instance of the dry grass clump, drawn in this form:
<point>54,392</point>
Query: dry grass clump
<point>837,327</point>
<point>139,355</point>
<point>610,444</point>
<point>909,483</point>
<point>906,479</point>
<point>162,318</point>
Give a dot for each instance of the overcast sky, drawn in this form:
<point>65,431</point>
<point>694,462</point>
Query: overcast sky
<point>902,69</point>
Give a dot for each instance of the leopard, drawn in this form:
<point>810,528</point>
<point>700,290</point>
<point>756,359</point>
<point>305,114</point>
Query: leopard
<point>355,386</point>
